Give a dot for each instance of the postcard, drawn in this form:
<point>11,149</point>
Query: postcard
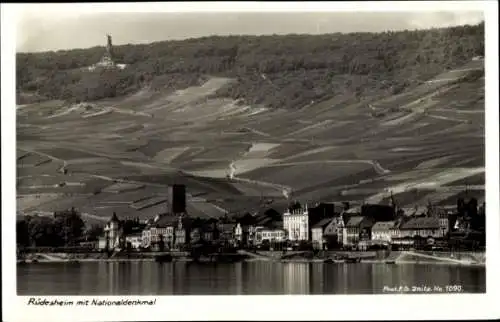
<point>248,161</point>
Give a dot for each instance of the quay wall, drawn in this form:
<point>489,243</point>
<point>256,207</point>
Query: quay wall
<point>383,254</point>
<point>367,256</point>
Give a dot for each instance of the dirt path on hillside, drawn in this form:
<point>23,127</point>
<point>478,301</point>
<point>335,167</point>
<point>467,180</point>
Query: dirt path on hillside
<point>375,164</point>
<point>436,181</point>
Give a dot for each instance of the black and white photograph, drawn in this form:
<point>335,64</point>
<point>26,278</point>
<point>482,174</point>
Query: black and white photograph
<point>211,153</point>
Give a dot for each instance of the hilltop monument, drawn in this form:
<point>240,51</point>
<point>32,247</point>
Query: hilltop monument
<point>108,59</point>
<point>109,47</point>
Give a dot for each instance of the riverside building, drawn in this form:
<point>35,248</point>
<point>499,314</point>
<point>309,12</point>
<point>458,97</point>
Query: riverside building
<point>296,222</point>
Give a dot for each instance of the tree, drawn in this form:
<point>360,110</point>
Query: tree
<point>305,245</point>
<point>69,226</point>
<point>22,233</point>
<point>42,232</point>
<point>161,244</point>
<point>265,244</point>
<point>291,58</point>
<point>93,232</point>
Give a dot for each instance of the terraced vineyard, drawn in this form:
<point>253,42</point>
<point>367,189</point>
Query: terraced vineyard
<point>120,154</point>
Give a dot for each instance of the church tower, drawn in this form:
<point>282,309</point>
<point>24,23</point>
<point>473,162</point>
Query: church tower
<point>393,204</point>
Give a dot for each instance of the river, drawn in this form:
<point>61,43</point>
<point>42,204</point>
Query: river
<point>245,278</point>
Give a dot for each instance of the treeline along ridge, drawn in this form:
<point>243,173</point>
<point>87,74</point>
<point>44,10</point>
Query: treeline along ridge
<point>276,71</point>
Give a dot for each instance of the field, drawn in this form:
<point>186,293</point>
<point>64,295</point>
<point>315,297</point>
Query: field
<point>423,144</point>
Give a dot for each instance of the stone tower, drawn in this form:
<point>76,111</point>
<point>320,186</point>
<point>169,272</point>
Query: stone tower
<point>177,199</point>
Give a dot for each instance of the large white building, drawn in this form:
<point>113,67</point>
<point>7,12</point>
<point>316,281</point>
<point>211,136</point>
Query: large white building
<point>296,223</point>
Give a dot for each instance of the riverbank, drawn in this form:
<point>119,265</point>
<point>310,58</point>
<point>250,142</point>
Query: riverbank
<point>332,257</point>
<point>123,260</point>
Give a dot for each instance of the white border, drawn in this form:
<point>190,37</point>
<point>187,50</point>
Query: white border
<point>376,307</point>
<point>259,6</point>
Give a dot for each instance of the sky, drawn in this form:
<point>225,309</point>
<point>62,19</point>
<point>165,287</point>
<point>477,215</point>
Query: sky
<point>40,30</point>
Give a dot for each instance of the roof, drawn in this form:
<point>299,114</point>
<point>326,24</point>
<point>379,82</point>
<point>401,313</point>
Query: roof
<point>270,229</point>
<point>294,206</point>
<point>165,221</point>
<point>114,218</point>
<point>323,209</point>
<point>407,210</point>
<point>378,212</point>
<point>264,214</point>
<point>354,210</point>
<point>354,221</point>
<point>227,227</point>
<point>421,223</point>
<point>367,222</point>
<point>420,211</point>
<point>263,221</point>
<point>323,223</point>
<point>384,225</point>
<point>204,210</point>
<point>133,229</point>
<point>246,219</point>
<point>415,211</point>
<point>208,229</point>
<point>275,224</point>
<point>443,214</point>
<point>138,234</point>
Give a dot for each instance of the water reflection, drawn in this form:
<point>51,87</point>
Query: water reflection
<point>296,278</point>
<point>147,278</point>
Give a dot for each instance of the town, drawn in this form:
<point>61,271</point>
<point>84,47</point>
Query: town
<point>301,227</point>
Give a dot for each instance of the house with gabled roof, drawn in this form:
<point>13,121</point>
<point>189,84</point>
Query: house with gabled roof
<point>421,226</point>
<point>318,233</point>
<point>416,229</point>
<point>351,231</point>
<point>382,231</point>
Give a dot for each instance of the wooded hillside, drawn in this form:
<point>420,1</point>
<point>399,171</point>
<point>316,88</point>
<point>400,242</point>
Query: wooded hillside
<point>277,71</point>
